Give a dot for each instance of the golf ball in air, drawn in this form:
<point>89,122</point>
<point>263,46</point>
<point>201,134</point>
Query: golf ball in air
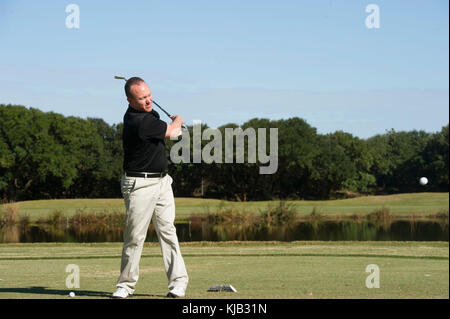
<point>423,181</point>
<point>72,294</point>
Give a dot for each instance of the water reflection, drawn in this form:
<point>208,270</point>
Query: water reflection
<point>200,230</point>
<point>325,230</point>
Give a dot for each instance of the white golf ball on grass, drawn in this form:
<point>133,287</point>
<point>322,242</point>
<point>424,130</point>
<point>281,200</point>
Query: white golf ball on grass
<point>72,294</point>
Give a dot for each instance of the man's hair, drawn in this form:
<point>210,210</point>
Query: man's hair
<point>130,82</point>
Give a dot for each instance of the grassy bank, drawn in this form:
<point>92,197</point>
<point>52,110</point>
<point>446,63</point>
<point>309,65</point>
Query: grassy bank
<point>402,205</point>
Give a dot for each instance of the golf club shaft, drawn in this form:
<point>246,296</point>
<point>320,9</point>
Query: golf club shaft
<point>182,125</point>
<point>154,102</point>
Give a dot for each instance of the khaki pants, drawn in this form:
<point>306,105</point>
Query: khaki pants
<point>149,199</point>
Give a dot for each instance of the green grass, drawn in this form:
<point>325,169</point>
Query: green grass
<point>402,205</point>
<point>255,269</point>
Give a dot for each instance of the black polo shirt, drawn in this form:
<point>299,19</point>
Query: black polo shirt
<point>143,142</point>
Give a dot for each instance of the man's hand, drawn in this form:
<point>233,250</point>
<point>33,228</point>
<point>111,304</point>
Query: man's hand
<point>176,118</point>
<point>174,128</point>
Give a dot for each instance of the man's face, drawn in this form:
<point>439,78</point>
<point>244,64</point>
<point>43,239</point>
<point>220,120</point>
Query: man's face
<point>141,98</point>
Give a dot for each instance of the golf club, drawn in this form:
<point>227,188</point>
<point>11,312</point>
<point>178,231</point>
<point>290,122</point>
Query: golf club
<point>118,77</point>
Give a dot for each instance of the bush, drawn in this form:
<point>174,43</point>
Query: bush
<point>9,215</point>
<point>381,217</point>
<point>277,215</point>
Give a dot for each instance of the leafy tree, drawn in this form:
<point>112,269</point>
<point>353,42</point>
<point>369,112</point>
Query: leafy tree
<point>357,151</point>
<point>435,157</point>
<point>48,155</point>
<point>331,168</point>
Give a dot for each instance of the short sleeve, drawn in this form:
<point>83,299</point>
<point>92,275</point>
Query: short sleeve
<point>152,128</point>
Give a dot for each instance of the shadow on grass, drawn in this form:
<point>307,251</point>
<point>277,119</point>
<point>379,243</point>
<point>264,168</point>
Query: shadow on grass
<point>65,293</point>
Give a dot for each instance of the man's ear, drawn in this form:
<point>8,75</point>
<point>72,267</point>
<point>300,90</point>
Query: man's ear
<point>129,100</point>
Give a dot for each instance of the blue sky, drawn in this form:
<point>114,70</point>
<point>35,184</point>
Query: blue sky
<point>229,61</point>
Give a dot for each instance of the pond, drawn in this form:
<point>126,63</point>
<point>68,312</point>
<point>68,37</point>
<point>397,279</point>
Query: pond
<point>200,230</point>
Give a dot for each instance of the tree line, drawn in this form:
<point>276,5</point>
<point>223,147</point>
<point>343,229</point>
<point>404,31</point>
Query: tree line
<point>45,155</point>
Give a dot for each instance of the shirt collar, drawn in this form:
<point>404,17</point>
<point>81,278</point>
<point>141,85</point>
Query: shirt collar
<point>153,112</point>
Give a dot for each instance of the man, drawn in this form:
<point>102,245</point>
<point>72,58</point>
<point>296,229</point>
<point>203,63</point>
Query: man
<point>147,191</point>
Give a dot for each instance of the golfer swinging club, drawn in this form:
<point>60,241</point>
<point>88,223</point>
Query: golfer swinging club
<point>147,191</point>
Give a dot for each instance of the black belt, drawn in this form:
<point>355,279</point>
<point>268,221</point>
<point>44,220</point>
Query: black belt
<point>145,175</point>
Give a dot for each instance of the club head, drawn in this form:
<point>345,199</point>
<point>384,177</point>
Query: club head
<point>217,288</point>
<point>118,77</point>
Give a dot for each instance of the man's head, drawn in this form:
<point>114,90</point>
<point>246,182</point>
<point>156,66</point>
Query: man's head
<point>138,94</point>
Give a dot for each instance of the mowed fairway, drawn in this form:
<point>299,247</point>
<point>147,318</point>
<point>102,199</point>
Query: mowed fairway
<point>256,269</point>
<point>401,205</point>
